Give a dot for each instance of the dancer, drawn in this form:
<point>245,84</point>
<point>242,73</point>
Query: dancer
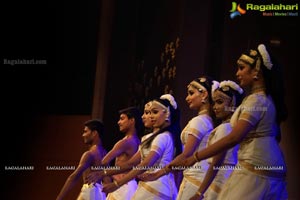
<point>256,127</point>
<point>194,137</point>
<point>93,130</point>
<point>226,98</point>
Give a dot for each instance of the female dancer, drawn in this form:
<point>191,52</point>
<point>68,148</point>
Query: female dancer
<point>194,137</point>
<point>256,128</point>
<point>225,99</point>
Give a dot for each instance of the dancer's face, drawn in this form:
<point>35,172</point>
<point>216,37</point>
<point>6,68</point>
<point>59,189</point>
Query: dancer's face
<point>125,123</point>
<point>193,98</point>
<point>158,116</point>
<point>245,74</point>
<point>87,135</point>
<point>146,117</point>
<point>222,105</point>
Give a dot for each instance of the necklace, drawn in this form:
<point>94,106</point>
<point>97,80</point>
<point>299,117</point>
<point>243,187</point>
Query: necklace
<point>258,88</point>
<point>202,112</point>
<point>226,121</point>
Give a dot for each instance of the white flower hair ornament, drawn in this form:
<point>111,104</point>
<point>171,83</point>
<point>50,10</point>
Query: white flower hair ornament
<point>171,99</point>
<point>265,56</point>
<point>215,86</point>
<point>233,85</point>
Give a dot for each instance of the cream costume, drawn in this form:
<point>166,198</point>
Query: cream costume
<point>163,188</point>
<point>200,127</point>
<point>262,166</point>
<point>91,192</point>
<point>125,192</point>
<point>228,164</point>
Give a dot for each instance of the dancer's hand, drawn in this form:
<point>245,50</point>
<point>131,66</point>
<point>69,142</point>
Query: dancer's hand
<point>149,176</point>
<point>110,187</point>
<point>94,177</point>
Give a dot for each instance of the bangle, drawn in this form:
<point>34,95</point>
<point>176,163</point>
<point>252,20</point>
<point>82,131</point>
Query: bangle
<point>116,183</point>
<point>199,193</point>
<point>195,157</point>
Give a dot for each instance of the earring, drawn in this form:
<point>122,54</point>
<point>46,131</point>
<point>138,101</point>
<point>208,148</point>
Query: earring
<point>232,108</point>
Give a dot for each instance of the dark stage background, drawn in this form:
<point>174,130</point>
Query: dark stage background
<point>101,56</point>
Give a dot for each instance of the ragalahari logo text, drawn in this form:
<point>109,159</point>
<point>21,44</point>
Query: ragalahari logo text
<point>236,10</point>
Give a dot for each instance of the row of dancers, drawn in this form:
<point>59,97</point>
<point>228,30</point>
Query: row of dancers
<point>230,150</point>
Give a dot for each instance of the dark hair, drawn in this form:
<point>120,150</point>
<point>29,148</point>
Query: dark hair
<point>275,87</point>
<point>134,112</point>
<point>174,128</point>
<point>95,125</point>
<point>274,83</point>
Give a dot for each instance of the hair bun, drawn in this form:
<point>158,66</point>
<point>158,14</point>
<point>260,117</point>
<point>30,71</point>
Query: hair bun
<point>265,56</point>
<point>171,99</point>
<point>215,85</point>
<point>233,85</point>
